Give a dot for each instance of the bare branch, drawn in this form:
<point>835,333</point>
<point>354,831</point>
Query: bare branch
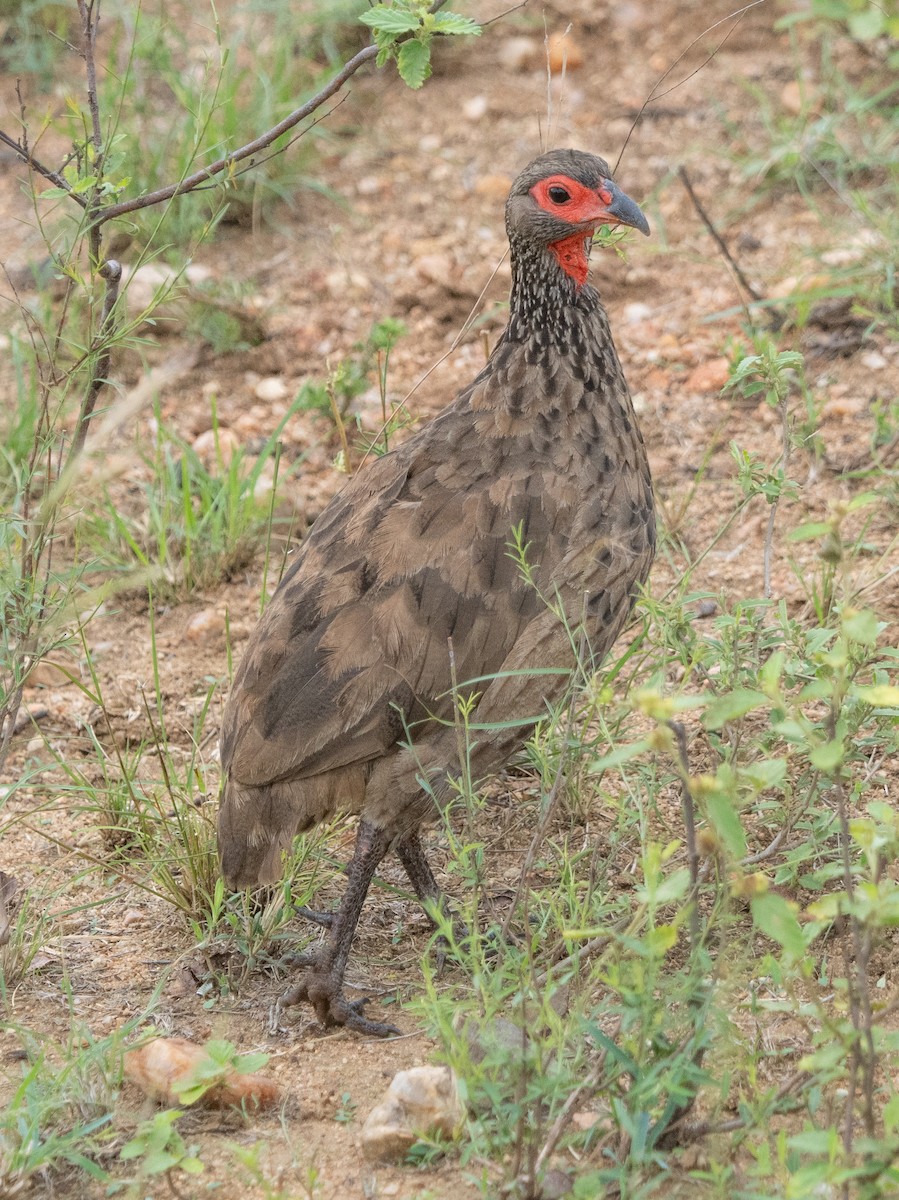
<point>718,239</point>
<point>36,165</point>
<point>260,143</point>
<point>111,271</point>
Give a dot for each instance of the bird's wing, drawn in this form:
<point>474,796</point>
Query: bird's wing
<point>410,559</point>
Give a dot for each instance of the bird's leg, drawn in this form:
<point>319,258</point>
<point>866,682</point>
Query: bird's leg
<point>322,985</point>
<point>411,854</point>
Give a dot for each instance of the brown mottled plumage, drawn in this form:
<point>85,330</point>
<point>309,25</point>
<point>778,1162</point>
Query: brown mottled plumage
<point>351,658</point>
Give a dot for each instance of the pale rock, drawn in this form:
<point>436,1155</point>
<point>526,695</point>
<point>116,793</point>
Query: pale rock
<point>842,256</point>
<point>34,745</point>
<point>369,185</point>
<point>873,360</point>
<point>710,376</point>
<point>205,626</point>
<point>493,187</point>
<point>421,1100</point>
<point>48,673</point>
<point>429,143</point>
<point>794,97</point>
<point>434,267</point>
<point>635,312</point>
<point>271,388</point>
<point>563,53</point>
<point>144,283</point>
<point>584,1119</point>
<point>498,1037</point>
<point>475,108</point>
<point>518,53</point>
<point>216,447</point>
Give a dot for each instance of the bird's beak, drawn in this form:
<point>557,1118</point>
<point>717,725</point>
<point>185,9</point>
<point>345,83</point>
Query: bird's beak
<point>622,210</point>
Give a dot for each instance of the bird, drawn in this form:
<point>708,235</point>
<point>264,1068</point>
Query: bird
<point>457,563</point>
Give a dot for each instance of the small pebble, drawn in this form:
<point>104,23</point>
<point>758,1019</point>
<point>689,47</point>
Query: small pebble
<point>475,108</point>
<point>518,53</point>
<point>710,376</point>
<point>205,626</point>
<point>635,312</point>
<point>873,360</point>
<point>271,388</point>
<point>216,448</point>
<point>563,53</point>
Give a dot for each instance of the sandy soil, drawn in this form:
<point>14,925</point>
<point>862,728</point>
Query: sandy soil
<point>414,230</point>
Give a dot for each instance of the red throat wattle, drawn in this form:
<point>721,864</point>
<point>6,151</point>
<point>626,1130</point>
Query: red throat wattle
<point>571,255</point>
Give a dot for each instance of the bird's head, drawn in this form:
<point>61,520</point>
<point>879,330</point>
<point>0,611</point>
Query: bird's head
<point>560,200</point>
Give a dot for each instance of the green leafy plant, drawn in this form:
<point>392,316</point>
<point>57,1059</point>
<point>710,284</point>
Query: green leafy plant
<point>404,31</point>
<point>161,1148</point>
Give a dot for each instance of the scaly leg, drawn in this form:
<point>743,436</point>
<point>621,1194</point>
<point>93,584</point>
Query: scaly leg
<point>411,854</point>
<point>322,985</point>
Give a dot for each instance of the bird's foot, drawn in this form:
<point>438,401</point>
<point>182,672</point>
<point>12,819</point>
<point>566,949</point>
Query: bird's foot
<point>326,996</point>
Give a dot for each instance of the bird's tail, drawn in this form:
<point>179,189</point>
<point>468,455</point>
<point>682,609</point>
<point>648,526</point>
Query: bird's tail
<point>256,826</point>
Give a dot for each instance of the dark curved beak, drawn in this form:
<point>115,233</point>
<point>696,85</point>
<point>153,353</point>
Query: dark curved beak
<point>623,210</point>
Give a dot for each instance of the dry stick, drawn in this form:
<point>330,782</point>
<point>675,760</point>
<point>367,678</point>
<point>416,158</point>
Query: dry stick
<point>775,504</point>
<point>551,800</point>
<point>719,240</point>
<point>860,995</point>
<point>691,1133</point>
<point>22,151</point>
<point>739,13</point>
<point>590,1084</point>
<point>689,810</point>
<point>111,271</point>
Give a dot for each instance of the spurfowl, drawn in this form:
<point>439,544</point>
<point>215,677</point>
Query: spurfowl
<point>343,699</point>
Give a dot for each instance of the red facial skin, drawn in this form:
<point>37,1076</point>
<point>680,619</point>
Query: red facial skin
<point>586,209</point>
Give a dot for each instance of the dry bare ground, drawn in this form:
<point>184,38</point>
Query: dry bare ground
<point>410,227</point>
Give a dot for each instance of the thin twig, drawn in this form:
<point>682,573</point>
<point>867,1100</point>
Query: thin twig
<point>689,811</point>
<point>111,271</point>
<point>718,239</point>
<point>692,1133</point>
<point>783,403</point>
<point>551,799</point>
<point>22,151</point>
<point>739,13</point>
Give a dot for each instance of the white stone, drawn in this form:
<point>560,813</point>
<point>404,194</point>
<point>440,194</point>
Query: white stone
<point>421,1100</point>
<point>873,360</point>
<point>475,108</point>
<point>271,388</point>
<point>635,312</point>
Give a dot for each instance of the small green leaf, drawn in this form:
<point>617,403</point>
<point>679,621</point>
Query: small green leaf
<point>615,757</point>
<point>881,695</point>
<point>727,825</point>
<point>861,627</point>
<point>866,24</point>
<point>812,529</point>
<point>777,920</point>
<point>765,773</point>
<point>55,193</point>
<point>414,62</point>
<point>828,756</point>
<point>392,21</point>
<point>455,23</point>
<point>661,939</point>
<point>735,704</point>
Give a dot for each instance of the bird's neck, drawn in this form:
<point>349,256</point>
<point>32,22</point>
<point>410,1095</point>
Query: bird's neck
<point>548,289</point>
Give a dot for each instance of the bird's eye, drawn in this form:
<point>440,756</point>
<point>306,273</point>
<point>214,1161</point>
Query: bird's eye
<point>558,195</point>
